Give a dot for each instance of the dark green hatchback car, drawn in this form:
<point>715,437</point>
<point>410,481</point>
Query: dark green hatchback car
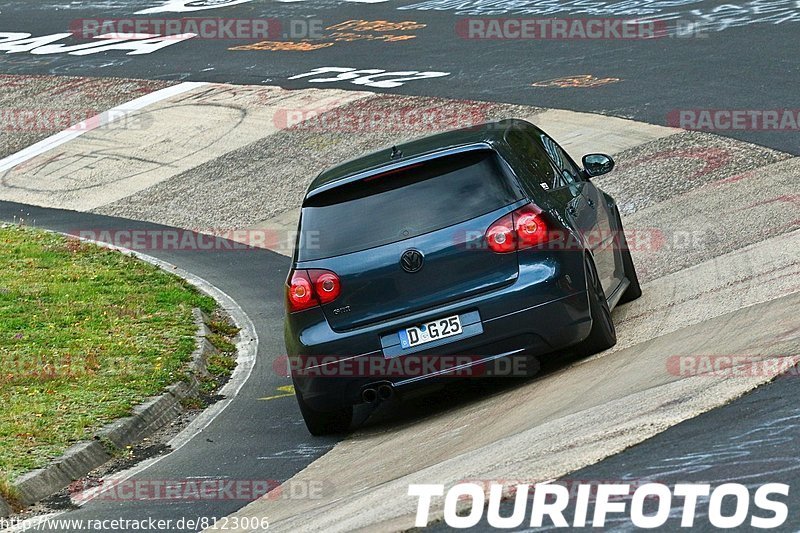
<point>444,255</point>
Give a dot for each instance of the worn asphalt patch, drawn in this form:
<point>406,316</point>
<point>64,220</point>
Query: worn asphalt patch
<point>34,107</point>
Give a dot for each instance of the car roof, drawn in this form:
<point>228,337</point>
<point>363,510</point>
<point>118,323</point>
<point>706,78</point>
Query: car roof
<point>488,133</point>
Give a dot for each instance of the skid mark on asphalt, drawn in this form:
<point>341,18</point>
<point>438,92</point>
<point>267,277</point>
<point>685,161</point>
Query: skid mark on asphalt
<point>65,100</point>
<point>579,81</point>
<point>737,450</point>
<point>301,452</point>
<point>753,456</point>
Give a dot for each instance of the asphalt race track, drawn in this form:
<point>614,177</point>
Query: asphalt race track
<point>221,137</point>
<point>745,445</point>
<point>717,55</point>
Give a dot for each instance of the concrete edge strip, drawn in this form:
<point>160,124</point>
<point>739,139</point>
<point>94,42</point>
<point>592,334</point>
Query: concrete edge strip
<point>5,508</point>
<point>83,457</point>
<point>97,121</point>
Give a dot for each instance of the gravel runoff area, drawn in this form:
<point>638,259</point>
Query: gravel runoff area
<point>267,178</point>
<point>270,176</point>
<point>693,196</point>
<point>35,107</point>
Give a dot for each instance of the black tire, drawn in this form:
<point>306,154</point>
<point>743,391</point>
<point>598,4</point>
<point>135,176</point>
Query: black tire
<point>633,291</point>
<point>603,335</point>
<point>321,423</point>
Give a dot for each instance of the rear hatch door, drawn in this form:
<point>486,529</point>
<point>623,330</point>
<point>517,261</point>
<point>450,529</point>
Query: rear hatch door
<point>437,211</point>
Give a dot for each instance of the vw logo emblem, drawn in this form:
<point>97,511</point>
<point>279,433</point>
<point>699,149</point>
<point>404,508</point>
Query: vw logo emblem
<point>411,260</point>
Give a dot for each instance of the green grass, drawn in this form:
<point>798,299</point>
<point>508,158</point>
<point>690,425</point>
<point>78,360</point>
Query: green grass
<point>85,334</point>
<point>223,328</point>
<point>221,343</point>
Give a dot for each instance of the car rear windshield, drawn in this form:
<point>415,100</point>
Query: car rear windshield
<point>401,204</point>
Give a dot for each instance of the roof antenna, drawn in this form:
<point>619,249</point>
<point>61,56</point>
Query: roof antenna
<point>395,153</point>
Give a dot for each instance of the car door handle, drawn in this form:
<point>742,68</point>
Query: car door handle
<point>590,202</point>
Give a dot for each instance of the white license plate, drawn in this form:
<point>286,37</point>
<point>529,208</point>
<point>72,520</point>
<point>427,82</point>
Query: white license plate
<point>430,331</point>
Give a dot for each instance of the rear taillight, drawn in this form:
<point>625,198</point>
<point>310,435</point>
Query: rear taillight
<point>300,295</point>
<point>326,285</point>
<point>531,227</point>
<point>501,237</point>
<point>310,288</point>
<point>518,230</point>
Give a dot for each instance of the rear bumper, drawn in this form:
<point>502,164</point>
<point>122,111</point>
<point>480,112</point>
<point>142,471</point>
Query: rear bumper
<point>327,375</point>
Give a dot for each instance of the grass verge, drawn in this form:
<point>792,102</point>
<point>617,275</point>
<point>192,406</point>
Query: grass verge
<point>85,334</point>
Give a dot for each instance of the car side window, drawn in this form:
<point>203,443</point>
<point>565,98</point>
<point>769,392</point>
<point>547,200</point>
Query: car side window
<point>568,173</point>
<point>542,171</point>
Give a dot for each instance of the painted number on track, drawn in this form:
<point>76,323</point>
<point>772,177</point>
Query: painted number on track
<point>373,77</point>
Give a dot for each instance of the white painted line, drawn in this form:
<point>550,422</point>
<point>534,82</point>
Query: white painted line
<point>113,114</point>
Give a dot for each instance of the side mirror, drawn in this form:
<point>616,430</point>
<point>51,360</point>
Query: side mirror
<point>597,164</point>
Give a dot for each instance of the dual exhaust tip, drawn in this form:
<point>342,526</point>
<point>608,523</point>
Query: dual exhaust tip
<point>378,392</point>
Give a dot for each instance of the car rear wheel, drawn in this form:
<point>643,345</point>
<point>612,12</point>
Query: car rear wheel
<point>325,422</point>
<point>603,335</point>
